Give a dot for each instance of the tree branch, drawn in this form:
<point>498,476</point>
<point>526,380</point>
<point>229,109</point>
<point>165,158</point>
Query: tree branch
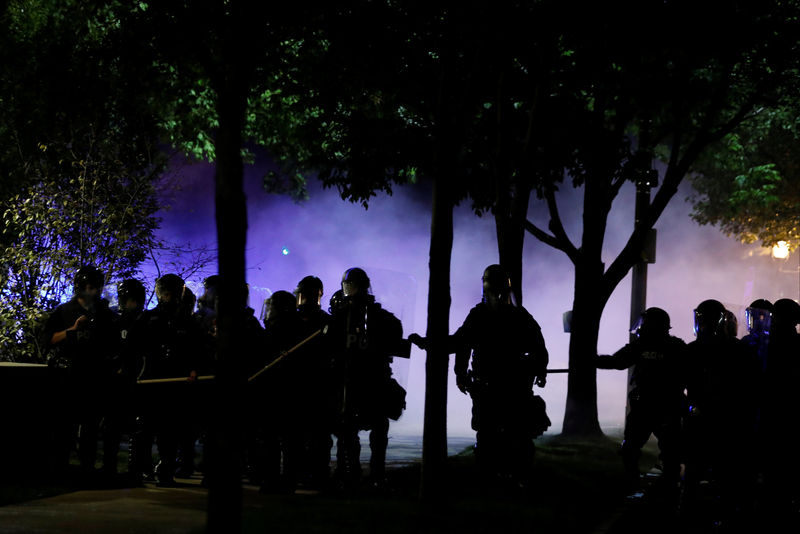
<point>548,239</point>
<point>557,227</point>
<point>676,171</point>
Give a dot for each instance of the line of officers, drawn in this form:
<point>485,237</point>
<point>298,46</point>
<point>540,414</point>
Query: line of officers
<point>312,375</point>
<point>722,408</point>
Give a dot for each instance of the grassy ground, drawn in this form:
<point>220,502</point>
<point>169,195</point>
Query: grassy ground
<point>579,488</point>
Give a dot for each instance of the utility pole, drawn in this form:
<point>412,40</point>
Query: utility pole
<point>644,183</point>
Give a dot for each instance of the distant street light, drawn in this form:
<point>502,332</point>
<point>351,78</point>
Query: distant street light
<point>780,250</point>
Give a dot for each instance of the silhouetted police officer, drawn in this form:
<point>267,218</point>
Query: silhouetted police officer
<point>80,337</point>
<point>657,400</point>
<point>721,410</point>
<point>780,409</point>
<point>316,397</point>
<point>758,317</point>
<point>508,356</point>
<point>122,411</point>
<point>364,336</point>
<point>273,437</point>
<point>172,338</point>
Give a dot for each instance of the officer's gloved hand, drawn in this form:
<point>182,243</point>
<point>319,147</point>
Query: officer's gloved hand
<point>462,382</point>
<point>81,323</point>
<point>419,341</point>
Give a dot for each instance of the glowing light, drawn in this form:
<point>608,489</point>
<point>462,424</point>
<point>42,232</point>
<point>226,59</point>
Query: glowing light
<point>285,251</point>
<point>780,250</point>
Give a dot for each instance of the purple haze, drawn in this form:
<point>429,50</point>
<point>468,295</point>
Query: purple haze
<point>390,240</point>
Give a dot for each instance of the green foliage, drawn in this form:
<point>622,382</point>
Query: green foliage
<point>78,161</point>
<point>749,184</point>
<point>94,210</point>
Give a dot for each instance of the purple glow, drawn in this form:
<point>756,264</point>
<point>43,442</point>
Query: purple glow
<point>390,241</point>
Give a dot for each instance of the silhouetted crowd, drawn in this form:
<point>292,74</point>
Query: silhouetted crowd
<point>310,375</point>
<point>720,407</point>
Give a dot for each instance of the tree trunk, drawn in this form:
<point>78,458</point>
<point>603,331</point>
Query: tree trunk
<point>434,440</point>
<point>509,220</point>
<point>580,416</point>
<point>225,442</point>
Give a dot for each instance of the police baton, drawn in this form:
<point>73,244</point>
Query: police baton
<point>323,330</point>
<point>168,380</point>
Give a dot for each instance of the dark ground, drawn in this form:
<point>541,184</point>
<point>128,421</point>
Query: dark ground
<point>580,488</point>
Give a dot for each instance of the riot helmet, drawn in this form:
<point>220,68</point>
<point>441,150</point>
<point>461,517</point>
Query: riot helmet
<point>731,326</point>
<point>654,322</point>
<point>709,318</point>
<point>355,282</point>
<point>169,289</point>
<point>188,301</point>
<point>336,302</point>
<point>89,282</point>
<point>496,286</point>
<point>786,315</point>
<point>130,291</point>
<point>208,300</point>
<point>758,316</point>
<point>309,290</point>
<point>280,304</point>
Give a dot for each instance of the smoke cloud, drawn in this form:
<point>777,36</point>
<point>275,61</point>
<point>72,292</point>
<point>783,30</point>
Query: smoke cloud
<point>325,235</point>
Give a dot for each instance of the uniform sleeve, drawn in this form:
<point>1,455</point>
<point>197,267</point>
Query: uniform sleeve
<point>461,343</point>
<point>54,323</point>
<point>538,348</point>
<point>622,359</point>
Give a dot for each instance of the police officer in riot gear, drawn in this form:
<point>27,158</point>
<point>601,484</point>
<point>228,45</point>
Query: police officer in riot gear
<point>172,338</point>
<point>758,317</point>
<point>79,335</point>
<point>273,449</point>
<point>316,395</point>
<point>507,352</point>
<point>719,371</point>
<point>207,305</point>
<point>130,306</point>
<point>657,400</point>
<point>364,336</point>
<point>779,411</point>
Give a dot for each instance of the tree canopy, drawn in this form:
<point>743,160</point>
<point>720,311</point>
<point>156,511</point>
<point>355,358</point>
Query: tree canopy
<point>749,182</point>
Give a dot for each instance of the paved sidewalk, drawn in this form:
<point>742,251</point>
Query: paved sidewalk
<point>147,510</point>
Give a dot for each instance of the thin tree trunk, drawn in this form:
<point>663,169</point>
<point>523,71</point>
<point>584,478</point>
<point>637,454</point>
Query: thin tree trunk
<point>510,219</point>
<point>225,443</point>
<point>434,440</point>
<point>580,415</point>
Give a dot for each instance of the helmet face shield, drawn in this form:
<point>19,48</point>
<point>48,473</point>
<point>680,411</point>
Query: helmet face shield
<point>709,318</point>
<point>349,288</point>
<point>710,323</point>
<point>758,320</point>
<point>496,286</point>
<point>355,281</point>
<point>636,329</point>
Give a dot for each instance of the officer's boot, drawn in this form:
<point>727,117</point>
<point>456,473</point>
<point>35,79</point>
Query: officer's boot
<point>348,461</point>
<point>140,454</point>
<point>378,442</point>
<point>167,453</point>
<point>630,461</point>
<point>320,461</point>
<point>112,435</point>
<point>87,451</point>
